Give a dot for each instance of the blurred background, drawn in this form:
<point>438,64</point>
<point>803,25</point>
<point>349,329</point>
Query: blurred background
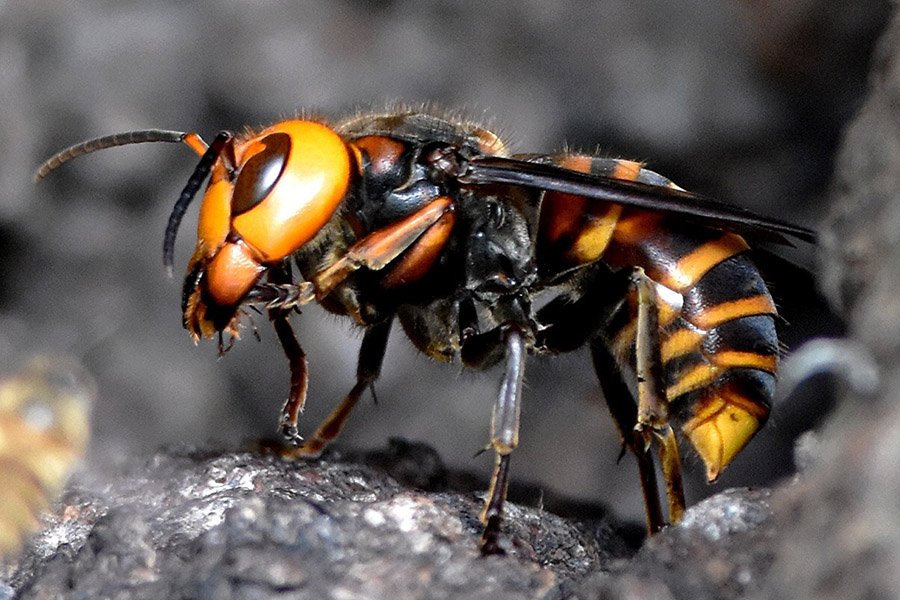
<point>742,100</point>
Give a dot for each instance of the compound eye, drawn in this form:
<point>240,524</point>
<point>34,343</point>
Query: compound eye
<point>260,173</point>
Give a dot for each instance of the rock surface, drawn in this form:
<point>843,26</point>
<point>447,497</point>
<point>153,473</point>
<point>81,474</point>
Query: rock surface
<point>194,524</point>
<point>185,523</point>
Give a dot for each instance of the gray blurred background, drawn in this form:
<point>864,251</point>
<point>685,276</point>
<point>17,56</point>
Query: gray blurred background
<point>743,100</point>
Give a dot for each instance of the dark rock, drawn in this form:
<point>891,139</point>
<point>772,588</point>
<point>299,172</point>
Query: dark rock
<point>202,524</point>
<point>722,549</point>
<point>187,523</point>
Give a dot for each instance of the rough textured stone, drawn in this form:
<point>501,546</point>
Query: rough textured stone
<point>203,524</point>
<point>721,550</point>
<point>194,524</point>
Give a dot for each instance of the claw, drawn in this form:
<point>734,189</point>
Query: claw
<point>291,434</point>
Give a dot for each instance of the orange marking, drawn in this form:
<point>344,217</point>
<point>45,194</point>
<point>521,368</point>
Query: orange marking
<point>750,360</point>
<point>595,234</point>
<point>734,398</point>
<point>681,342</point>
<point>244,151</point>
<point>722,424</point>
<point>577,162</point>
<point>627,169</point>
<point>231,274</point>
<point>384,152</point>
<point>215,213</point>
<point>691,267</point>
<point>591,223</point>
<point>634,228</point>
<point>562,214</point>
<point>667,312</point>
<point>422,255</point>
<point>729,311</point>
<point>357,158</point>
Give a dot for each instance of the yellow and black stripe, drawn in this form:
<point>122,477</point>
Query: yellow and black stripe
<point>574,230</point>
<point>717,319</point>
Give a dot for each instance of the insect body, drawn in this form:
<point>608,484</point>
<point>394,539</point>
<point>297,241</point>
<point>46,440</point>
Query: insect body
<point>44,426</point>
<point>431,222</point>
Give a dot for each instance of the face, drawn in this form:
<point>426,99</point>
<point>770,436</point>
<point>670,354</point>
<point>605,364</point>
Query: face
<point>285,184</point>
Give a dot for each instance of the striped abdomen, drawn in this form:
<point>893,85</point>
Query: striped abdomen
<point>717,319</point>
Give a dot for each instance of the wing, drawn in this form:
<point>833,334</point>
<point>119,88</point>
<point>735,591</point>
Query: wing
<point>796,292</point>
<point>534,174</point>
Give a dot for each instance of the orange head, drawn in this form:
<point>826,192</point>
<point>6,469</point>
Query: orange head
<point>269,194</point>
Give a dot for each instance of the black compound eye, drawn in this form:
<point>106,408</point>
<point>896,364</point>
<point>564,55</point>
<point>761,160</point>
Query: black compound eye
<point>260,174</point>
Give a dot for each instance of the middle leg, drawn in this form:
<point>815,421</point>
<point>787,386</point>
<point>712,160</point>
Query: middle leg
<point>504,438</point>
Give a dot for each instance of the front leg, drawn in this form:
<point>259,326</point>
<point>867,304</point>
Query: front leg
<point>371,357</point>
<point>409,247</point>
<point>280,276</point>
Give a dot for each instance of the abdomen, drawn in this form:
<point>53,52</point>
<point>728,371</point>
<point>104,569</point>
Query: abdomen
<point>717,318</point>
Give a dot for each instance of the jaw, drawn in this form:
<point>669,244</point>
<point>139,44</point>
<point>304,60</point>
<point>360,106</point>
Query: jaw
<point>215,287</point>
<point>201,316</point>
<point>204,320</point>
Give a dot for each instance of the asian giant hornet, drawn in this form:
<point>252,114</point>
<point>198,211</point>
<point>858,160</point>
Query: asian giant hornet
<point>433,222</point>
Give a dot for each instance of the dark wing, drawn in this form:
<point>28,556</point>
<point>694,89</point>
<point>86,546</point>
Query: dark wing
<point>797,296</point>
<point>492,170</point>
